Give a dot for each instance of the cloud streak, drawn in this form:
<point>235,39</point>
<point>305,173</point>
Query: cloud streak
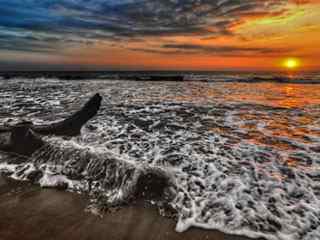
<point>222,51</point>
<point>225,50</point>
<point>97,20</point>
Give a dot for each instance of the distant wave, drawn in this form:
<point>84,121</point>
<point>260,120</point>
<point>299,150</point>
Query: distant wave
<point>306,78</point>
<point>255,78</point>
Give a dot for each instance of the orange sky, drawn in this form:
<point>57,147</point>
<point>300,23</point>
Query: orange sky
<point>255,41</point>
<point>297,30</point>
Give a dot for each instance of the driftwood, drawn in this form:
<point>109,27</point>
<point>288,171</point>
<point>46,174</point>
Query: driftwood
<point>24,138</point>
<point>109,171</point>
<point>72,125</point>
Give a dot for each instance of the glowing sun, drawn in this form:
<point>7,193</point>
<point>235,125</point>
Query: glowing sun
<point>291,63</point>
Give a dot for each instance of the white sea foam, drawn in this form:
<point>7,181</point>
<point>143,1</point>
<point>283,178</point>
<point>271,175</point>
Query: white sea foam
<point>7,168</point>
<point>245,157</point>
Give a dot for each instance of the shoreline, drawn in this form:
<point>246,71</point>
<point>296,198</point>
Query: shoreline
<point>31,212</point>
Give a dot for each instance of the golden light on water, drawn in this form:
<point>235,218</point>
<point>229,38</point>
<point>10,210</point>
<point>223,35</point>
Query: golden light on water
<point>291,63</point>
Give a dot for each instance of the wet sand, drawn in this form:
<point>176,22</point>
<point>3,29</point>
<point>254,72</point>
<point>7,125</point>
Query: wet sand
<point>29,212</point>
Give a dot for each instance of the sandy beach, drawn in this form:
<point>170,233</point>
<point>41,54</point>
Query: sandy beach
<point>29,212</point>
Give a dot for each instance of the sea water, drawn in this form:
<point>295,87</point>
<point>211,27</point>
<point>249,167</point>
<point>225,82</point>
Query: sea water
<point>245,155</point>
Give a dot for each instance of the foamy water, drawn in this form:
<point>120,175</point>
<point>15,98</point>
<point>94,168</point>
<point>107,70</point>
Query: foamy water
<point>245,156</point>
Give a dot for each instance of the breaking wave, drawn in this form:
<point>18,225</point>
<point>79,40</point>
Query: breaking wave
<point>171,76</point>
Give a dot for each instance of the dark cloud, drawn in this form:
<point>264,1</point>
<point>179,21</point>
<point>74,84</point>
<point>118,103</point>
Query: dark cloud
<point>33,24</point>
<point>232,51</point>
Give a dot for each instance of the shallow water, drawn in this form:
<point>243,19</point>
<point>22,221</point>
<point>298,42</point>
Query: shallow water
<point>245,156</point>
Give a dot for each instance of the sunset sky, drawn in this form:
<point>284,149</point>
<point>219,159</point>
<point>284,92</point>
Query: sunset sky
<point>158,35</point>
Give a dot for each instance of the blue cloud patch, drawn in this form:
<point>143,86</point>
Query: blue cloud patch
<point>44,25</point>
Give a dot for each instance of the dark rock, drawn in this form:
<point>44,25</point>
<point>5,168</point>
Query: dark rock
<point>35,176</point>
<point>62,186</point>
<point>22,141</point>
<point>153,185</point>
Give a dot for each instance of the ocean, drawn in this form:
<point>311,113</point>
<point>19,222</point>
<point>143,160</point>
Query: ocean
<point>243,149</point>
